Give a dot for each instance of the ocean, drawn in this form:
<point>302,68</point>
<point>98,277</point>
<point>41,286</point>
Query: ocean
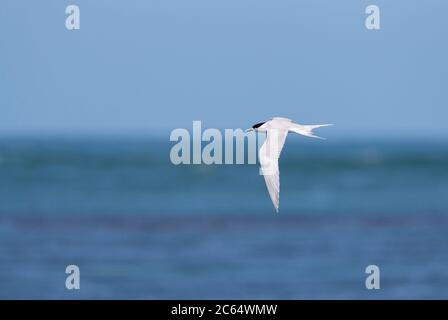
<point>140,227</point>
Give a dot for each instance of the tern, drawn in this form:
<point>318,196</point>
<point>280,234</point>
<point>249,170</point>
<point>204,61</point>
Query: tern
<point>276,131</point>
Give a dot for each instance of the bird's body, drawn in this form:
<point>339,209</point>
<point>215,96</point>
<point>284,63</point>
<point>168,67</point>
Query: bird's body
<point>276,131</point>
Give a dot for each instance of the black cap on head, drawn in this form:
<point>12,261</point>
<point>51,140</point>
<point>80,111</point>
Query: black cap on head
<point>257,125</point>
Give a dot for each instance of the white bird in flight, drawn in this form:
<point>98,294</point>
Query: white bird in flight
<point>276,131</point>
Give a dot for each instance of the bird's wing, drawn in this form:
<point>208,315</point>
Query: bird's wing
<point>269,154</point>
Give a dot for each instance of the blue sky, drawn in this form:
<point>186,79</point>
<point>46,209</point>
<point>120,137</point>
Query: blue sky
<point>145,66</point>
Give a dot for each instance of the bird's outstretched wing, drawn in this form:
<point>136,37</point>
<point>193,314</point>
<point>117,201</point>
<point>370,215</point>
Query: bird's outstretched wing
<point>269,154</point>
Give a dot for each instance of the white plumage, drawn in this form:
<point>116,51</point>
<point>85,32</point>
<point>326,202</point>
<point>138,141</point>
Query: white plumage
<point>276,131</point>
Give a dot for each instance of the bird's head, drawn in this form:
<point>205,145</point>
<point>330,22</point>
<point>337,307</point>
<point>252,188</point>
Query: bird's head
<point>255,127</point>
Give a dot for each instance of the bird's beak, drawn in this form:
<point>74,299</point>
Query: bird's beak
<point>249,130</point>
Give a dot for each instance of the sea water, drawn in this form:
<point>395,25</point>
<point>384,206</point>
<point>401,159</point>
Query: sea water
<point>140,227</point>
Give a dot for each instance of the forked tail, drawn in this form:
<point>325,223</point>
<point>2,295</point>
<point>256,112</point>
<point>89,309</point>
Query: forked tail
<point>307,130</point>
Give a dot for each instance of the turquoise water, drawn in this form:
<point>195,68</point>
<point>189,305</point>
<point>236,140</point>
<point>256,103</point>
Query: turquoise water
<point>140,227</point>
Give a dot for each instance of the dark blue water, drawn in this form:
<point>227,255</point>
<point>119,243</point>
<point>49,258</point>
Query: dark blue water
<point>140,227</point>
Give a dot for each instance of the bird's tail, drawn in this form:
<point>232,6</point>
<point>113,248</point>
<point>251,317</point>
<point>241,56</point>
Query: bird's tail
<point>307,130</point>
